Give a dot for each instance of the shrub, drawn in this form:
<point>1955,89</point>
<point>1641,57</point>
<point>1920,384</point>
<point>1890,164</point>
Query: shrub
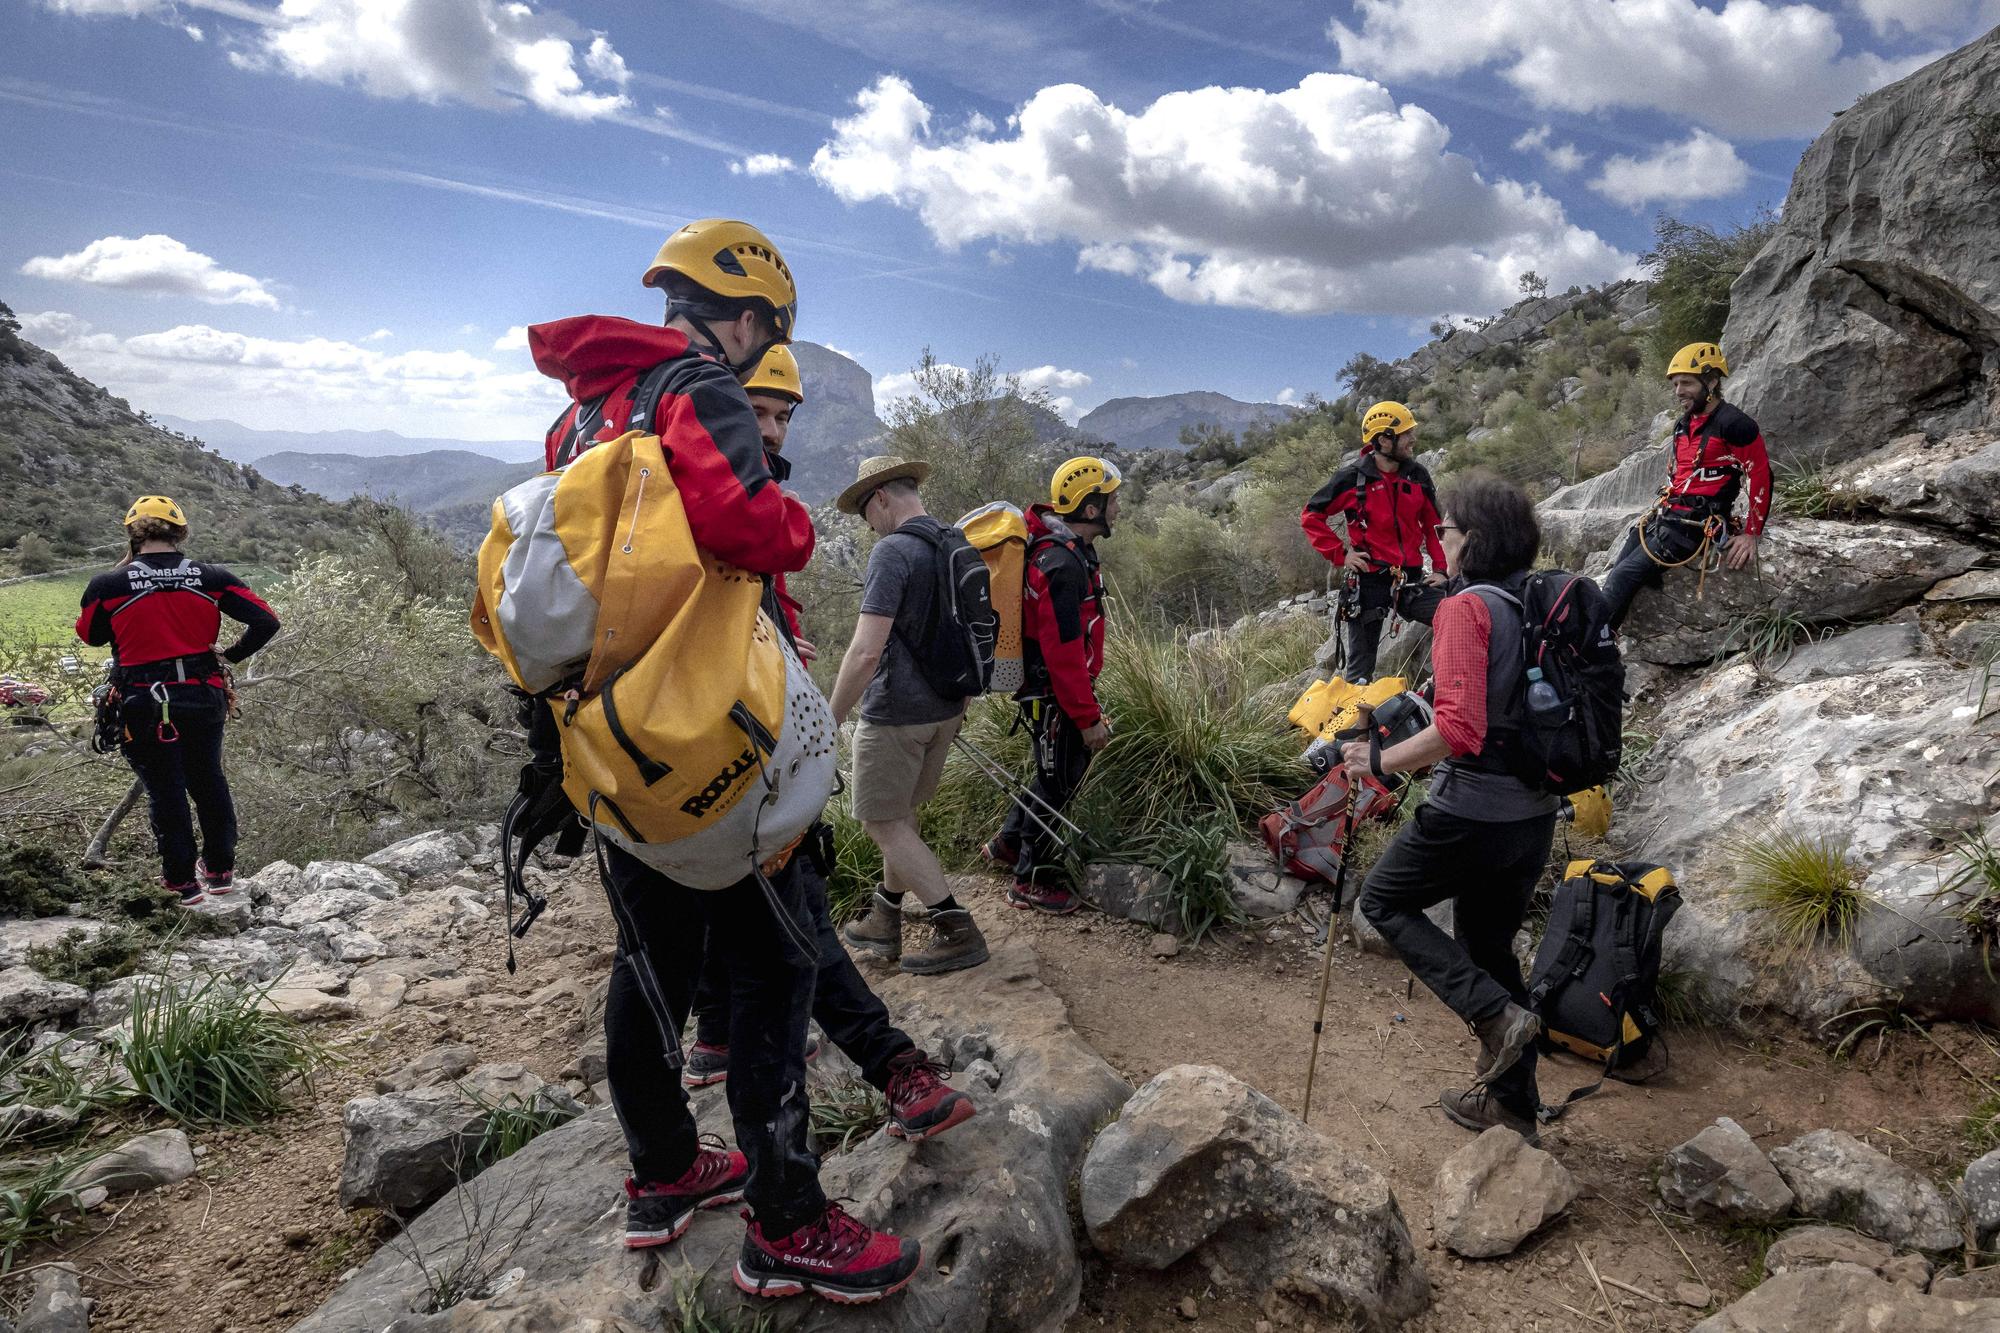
<point>1975,890</point>
<point>34,1206</point>
<point>1803,887</point>
<point>844,1114</point>
<point>1692,267</point>
<point>210,1052</point>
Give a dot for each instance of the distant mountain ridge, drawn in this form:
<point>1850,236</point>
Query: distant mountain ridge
<point>425,483</point>
<point>1157,422</point>
<point>247,444</point>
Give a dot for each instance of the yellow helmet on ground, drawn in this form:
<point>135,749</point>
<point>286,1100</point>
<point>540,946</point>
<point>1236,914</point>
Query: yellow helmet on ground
<point>777,374</point>
<point>155,506</point>
<point>732,259</point>
<point>1697,357</point>
<point>1393,418</point>
<point>1590,812</point>
<point>1079,479</point>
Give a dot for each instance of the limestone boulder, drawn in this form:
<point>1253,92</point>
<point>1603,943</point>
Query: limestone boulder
<point>1722,1173</point>
<point>406,1149</point>
<point>143,1162</point>
<point>1839,1178</point>
<point>1496,1192</point>
<point>1845,1299</point>
<point>20,934</point>
<point>1257,886</point>
<point>1133,893</point>
<point>1802,1248</point>
<point>989,1201</point>
<point>1874,309</point>
<point>1953,482</point>
<point>433,855</point>
<point>1981,1191</point>
<point>1199,1162</point>
<point>26,996</point>
<point>56,1303</point>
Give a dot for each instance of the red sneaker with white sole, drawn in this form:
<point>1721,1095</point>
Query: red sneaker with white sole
<point>658,1212</point>
<point>835,1257</point>
<point>921,1103</point>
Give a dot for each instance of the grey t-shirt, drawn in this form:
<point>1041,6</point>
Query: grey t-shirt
<point>901,583</point>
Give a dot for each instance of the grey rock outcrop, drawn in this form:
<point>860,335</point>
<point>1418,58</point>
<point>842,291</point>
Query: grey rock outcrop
<point>1258,887</point>
<point>1722,1173</point>
<point>1495,1192</point>
<point>1875,307</point>
<point>988,1201</point>
<point>1982,1198</point>
<point>26,996</point>
<point>406,1149</point>
<point>144,1162</point>
<point>18,935</point>
<point>1841,1179</point>
<point>425,856</point>
<point>56,1303</point>
<point>1802,1248</point>
<point>440,1064</point>
<point>1846,1299</point>
<point>1132,892</point>
<point>1953,482</point>
<point>1199,1161</point>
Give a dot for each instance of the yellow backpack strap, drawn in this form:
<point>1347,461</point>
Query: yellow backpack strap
<point>625,563</point>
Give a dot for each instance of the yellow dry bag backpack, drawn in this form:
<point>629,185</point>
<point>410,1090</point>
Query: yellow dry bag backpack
<point>692,736</point>
<point>999,532</point>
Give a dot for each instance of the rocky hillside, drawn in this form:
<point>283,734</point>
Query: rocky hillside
<point>1157,423</point>
<point>72,457</point>
<point>425,483</point>
<point>834,429</point>
<point>246,444</point>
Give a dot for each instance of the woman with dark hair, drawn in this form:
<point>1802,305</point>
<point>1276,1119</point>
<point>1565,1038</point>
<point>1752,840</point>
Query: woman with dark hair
<point>1481,838</point>
<point>161,612</point>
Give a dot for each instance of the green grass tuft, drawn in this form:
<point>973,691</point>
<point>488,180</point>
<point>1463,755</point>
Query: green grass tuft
<point>1975,887</point>
<point>34,1206</point>
<point>210,1053</point>
<point>1766,637</point>
<point>690,1313</point>
<point>845,1114</point>
<point>1804,888</point>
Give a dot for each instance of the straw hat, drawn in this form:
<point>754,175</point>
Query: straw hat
<point>878,472</point>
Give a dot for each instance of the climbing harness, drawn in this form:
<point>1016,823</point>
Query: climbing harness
<point>1711,527</point>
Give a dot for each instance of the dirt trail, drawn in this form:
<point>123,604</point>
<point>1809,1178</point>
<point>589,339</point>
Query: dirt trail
<point>258,1238</point>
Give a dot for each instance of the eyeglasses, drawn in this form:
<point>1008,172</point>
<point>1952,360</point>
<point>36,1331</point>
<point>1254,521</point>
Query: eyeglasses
<point>1442,528</point>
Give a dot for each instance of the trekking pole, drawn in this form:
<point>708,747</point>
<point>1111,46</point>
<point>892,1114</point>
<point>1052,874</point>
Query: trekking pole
<point>1015,789</point>
<point>1326,954</point>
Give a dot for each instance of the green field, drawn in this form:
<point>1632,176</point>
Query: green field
<point>45,609</point>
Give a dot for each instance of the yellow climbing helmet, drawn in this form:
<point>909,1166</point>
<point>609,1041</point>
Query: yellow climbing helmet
<point>1589,812</point>
<point>1079,479</point>
<point>1697,357</point>
<point>732,259</point>
<point>1393,418</point>
<point>777,374</point>
<point>155,506</point>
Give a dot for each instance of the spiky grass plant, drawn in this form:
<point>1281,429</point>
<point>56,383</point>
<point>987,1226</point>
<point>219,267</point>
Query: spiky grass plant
<point>210,1052</point>
<point>844,1114</point>
<point>1804,888</point>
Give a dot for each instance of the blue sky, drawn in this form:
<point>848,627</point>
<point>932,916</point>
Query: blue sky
<point>317,214</point>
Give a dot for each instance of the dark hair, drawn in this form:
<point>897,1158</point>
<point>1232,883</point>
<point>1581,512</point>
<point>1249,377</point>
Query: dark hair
<point>1498,521</point>
<point>143,530</point>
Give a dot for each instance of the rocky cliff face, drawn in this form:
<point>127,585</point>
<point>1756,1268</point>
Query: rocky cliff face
<point>835,426</point>
<point>1876,307</point>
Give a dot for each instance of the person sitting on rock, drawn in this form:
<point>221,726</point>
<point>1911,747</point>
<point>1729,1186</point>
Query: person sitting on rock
<point>1390,506</point>
<point>1716,448</point>
<point>729,298</point>
<point>160,612</point>
<point>854,1018</point>
<point>906,726</point>
<point>1062,646</point>
<point>1481,838</point>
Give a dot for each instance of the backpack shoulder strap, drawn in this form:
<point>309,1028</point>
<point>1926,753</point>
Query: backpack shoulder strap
<point>646,395</point>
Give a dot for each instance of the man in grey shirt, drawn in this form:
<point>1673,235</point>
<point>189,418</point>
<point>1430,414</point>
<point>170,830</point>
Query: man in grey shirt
<point>906,727</point>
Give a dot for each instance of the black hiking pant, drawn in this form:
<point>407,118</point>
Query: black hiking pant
<point>1672,540</point>
<point>1488,871</point>
<point>852,1016</point>
<point>662,929</point>
<point>1374,593</point>
<point>188,768</point>
<point>1061,759</point>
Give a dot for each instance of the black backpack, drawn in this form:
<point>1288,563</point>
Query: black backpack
<point>1597,973</point>
<point>1566,640</point>
<point>956,656</point>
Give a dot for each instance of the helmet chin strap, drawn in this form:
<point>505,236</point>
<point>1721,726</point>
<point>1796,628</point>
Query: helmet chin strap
<point>738,368</point>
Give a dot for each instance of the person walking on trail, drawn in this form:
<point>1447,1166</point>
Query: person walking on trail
<point>729,298</point>
<point>907,725</point>
<point>160,612</point>
<point>1390,507</point>
<point>1717,451</point>
<point>1062,632</point>
<point>1481,838</point>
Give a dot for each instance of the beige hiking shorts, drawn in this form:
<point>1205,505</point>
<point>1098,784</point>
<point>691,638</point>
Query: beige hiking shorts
<point>897,769</point>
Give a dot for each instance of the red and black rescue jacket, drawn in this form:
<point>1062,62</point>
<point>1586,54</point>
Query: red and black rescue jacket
<point>1713,455</point>
<point>715,454</point>
<point>1062,618</point>
<point>161,614</point>
<point>781,472</point>
<point>1391,518</point>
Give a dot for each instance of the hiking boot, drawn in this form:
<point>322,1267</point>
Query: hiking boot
<point>1478,1110</point>
<point>921,1103</point>
<point>708,1064</point>
<point>658,1212</point>
<point>835,1256</point>
<point>222,881</point>
<point>1504,1039</point>
<point>1000,851</point>
<point>880,932</point>
<point>955,943</point>
<point>190,892</point>
<point>1051,898</point>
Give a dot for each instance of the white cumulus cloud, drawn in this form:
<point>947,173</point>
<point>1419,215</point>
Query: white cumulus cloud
<point>763,164</point>
<point>52,328</point>
<point>153,264</point>
<point>1562,157</point>
<point>380,335</point>
<point>515,339</point>
<point>485,53</point>
<point>1747,68</point>
<point>1699,167</point>
<point>1323,197</point>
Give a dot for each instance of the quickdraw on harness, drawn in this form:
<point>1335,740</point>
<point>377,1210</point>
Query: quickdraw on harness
<point>1713,526</point>
<point>1397,577</point>
<point>164,731</point>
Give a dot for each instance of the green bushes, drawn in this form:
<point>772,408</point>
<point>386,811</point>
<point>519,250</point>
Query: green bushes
<point>1692,267</point>
<point>1803,888</point>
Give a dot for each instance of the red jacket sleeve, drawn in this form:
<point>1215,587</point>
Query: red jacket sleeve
<point>1461,634</point>
<point>1336,497</point>
<point>1430,518</point>
<point>1053,608</point>
<point>1757,470</point>
<point>735,509</point>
